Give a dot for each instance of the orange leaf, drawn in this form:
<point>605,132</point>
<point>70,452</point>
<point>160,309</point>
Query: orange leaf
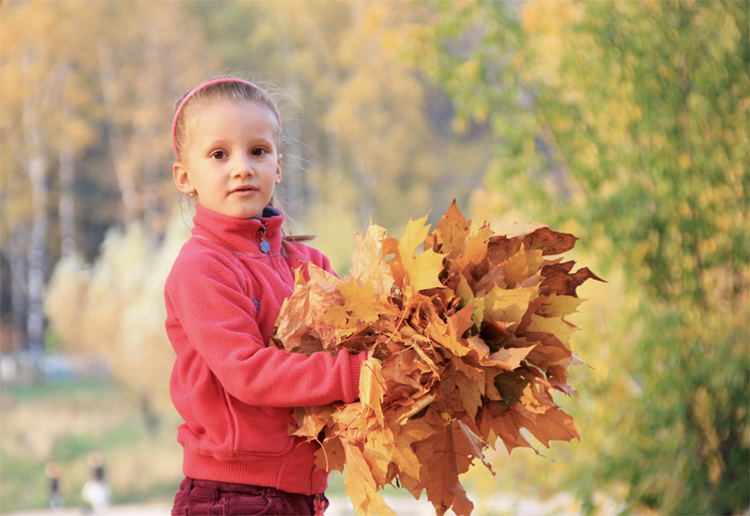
<point>451,232</point>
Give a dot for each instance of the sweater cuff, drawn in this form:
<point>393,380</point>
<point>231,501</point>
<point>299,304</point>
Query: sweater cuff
<point>355,362</point>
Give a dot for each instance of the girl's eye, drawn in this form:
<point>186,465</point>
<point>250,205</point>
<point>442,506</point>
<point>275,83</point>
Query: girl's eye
<point>219,155</point>
<point>258,152</point>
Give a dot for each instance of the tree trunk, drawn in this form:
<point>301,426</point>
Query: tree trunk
<point>36,167</point>
<point>122,158</point>
<point>66,207</point>
<point>146,129</point>
<point>19,279</point>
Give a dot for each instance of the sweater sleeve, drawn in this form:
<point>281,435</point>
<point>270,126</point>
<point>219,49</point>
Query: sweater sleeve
<point>211,323</point>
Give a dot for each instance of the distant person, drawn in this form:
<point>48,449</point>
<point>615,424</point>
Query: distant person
<point>52,470</point>
<point>234,392</point>
<point>96,492</point>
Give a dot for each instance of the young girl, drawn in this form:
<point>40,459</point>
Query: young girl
<point>234,392</point>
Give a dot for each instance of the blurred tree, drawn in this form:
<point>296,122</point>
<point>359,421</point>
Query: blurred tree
<point>39,60</point>
<point>115,309</point>
<point>138,86</point>
<point>361,140</point>
<point>63,90</point>
<point>631,119</point>
<point>116,315</point>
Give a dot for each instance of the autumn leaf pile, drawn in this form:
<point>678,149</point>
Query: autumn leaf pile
<point>466,340</point>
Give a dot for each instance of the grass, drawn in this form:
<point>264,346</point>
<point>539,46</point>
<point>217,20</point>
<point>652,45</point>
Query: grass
<point>62,423</point>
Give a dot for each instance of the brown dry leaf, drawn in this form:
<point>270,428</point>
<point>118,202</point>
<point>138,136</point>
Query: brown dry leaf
<point>549,242</point>
<point>441,466</point>
<point>300,327</point>
<point>557,278</point>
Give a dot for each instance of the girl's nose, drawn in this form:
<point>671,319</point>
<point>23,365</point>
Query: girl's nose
<point>242,167</point>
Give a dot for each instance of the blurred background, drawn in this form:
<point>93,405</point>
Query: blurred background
<point>622,122</point>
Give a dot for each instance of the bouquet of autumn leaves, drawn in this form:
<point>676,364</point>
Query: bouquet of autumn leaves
<point>465,341</point>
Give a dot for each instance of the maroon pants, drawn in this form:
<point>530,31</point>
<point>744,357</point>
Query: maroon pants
<point>206,497</point>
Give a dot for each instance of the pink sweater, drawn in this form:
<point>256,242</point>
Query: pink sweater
<point>234,392</point>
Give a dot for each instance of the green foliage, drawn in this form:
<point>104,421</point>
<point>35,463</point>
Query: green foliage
<point>661,152</point>
<point>693,411</point>
<point>630,120</point>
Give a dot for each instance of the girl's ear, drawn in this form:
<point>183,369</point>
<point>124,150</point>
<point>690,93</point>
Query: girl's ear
<point>181,178</point>
<point>278,170</point>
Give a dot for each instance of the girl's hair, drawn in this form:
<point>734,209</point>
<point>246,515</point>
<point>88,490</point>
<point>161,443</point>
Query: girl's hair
<point>223,89</point>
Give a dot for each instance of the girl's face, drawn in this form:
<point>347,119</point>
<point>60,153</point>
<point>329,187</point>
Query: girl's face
<point>231,160</point>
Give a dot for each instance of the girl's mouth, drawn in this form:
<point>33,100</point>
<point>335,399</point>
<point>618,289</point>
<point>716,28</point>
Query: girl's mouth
<point>244,190</point>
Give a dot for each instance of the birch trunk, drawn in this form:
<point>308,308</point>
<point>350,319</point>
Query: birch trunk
<point>19,280</point>
<point>66,208</point>
<point>122,160</point>
<point>150,99</point>
<point>36,167</point>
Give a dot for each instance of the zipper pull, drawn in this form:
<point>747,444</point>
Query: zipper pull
<point>264,245</point>
<point>320,505</point>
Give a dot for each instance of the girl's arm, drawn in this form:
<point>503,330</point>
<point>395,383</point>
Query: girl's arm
<point>212,325</point>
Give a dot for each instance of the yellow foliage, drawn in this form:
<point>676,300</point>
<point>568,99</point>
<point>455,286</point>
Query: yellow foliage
<point>115,309</point>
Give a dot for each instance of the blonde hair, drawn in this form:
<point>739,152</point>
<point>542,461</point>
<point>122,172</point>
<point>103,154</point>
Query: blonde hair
<point>223,88</point>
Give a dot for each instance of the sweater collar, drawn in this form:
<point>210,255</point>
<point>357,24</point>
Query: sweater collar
<point>240,235</point>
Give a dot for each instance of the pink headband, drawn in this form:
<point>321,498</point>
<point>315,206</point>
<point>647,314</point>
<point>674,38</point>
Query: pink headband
<point>191,94</point>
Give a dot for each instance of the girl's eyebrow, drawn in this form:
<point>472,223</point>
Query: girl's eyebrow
<point>223,141</point>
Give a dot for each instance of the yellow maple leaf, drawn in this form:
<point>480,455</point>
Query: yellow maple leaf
<point>360,485</point>
<point>378,450</point>
<point>360,307</point>
<point>401,438</point>
<point>508,306</point>
<point>556,326</point>
<point>509,358</point>
<point>559,305</point>
<point>367,264</point>
<point>465,292</point>
<point>522,265</point>
<point>371,392</point>
<point>424,270</point>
